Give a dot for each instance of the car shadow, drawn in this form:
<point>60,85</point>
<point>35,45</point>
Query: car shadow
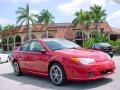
<point>3,62</point>
<point>45,83</point>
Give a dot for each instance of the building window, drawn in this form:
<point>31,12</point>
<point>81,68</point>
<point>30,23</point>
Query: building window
<point>18,40</point>
<point>49,35</point>
<point>10,43</point>
<point>80,37</point>
<point>27,37</point>
<point>4,44</point>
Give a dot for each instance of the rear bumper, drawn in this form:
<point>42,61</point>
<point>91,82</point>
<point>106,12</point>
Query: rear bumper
<point>91,72</point>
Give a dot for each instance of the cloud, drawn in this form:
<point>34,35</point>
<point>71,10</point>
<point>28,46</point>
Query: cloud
<point>34,11</point>
<point>32,1</point>
<point>113,18</point>
<point>111,2</point>
<point>75,5</point>
<point>70,7</point>
<point>4,21</point>
<point>100,2</point>
<point>114,15</point>
<point>26,1</point>
<point>118,1</point>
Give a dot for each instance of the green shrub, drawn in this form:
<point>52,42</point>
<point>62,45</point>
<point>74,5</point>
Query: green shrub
<point>116,45</point>
<point>89,42</point>
<point>103,38</point>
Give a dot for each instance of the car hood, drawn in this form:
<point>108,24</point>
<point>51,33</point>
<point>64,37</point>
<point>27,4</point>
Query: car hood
<point>85,53</point>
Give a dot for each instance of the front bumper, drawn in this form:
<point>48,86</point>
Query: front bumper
<point>90,72</point>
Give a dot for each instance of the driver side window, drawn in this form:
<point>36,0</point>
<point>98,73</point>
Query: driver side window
<point>36,46</point>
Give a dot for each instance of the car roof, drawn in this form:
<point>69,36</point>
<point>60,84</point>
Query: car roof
<point>51,39</point>
<point>45,39</point>
<point>103,44</point>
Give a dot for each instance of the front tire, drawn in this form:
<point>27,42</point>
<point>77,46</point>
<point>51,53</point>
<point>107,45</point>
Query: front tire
<point>57,74</point>
<point>16,68</point>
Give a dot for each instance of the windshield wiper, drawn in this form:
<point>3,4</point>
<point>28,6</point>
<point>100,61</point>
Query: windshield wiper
<point>55,49</point>
<point>73,48</point>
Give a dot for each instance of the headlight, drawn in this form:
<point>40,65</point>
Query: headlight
<point>83,60</point>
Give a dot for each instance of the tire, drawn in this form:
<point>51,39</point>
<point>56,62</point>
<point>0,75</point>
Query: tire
<point>111,55</point>
<point>16,68</point>
<point>57,74</point>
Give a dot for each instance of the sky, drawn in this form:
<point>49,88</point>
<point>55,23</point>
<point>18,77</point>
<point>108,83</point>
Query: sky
<point>63,10</point>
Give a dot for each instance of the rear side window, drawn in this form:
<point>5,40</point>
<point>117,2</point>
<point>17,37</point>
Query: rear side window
<point>25,47</point>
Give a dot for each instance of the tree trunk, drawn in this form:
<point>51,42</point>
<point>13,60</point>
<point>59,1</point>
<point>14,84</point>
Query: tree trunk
<point>29,30</point>
<point>83,34</point>
<point>46,32</point>
<point>97,28</point>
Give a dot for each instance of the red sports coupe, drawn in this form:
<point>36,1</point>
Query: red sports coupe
<point>61,60</point>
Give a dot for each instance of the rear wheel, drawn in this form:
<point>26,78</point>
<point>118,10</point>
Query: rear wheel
<point>16,68</point>
<point>57,74</point>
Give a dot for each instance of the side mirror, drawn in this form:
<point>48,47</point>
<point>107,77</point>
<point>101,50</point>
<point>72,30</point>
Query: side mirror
<point>43,51</point>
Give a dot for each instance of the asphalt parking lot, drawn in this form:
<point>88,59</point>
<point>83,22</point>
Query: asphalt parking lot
<point>29,82</point>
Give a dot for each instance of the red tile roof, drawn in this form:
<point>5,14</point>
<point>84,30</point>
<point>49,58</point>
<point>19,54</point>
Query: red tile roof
<point>115,30</point>
<point>57,26</point>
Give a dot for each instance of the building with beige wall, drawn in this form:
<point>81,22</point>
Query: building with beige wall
<point>16,36</point>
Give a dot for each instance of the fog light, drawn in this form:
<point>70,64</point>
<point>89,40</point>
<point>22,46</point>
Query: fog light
<point>90,74</point>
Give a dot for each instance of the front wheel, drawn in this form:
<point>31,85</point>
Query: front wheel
<point>57,74</point>
<point>16,68</point>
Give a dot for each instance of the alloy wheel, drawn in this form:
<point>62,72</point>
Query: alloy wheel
<point>57,74</point>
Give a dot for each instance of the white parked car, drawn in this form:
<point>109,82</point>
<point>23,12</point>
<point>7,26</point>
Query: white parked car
<point>4,57</point>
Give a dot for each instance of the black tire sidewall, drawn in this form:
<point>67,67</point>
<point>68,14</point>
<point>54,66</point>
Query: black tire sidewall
<point>16,73</point>
<point>63,74</point>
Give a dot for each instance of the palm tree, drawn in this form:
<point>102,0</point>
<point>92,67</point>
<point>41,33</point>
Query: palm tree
<point>98,16</point>
<point>24,16</point>
<point>80,19</point>
<point>46,18</point>
<point>0,27</point>
<point>8,27</point>
<point>87,18</point>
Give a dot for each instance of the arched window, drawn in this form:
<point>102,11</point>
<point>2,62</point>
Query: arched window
<point>80,37</point>
<point>11,43</point>
<point>10,40</point>
<point>4,43</point>
<point>18,40</point>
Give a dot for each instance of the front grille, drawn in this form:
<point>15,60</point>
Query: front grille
<point>106,71</point>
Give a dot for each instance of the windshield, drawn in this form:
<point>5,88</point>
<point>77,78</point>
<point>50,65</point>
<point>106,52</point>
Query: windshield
<point>104,44</point>
<point>58,44</point>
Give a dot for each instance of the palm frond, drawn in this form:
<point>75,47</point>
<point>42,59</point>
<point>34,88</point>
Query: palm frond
<point>21,23</point>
